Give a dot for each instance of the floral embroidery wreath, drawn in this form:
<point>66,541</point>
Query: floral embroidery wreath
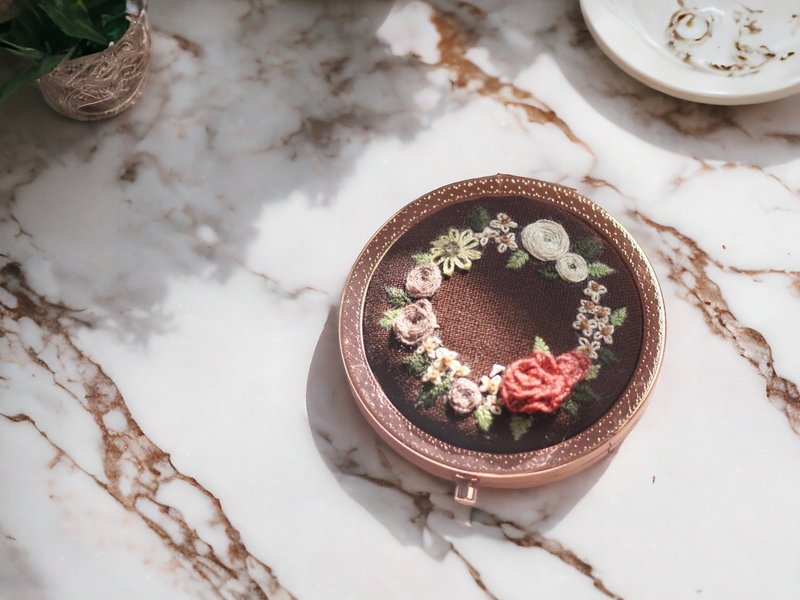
<point>541,383</point>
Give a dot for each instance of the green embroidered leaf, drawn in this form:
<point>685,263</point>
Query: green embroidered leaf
<point>431,393</point>
<point>548,273</point>
<point>606,356</point>
<point>397,297</point>
<point>589,248</point>
<point>418,363</point>
<point>570,407</point>
<point>387,320</point>
<point>598,270</point>
<point>479,219</point>
<point>517,260</point>
<point>618,316</point>
<point>484,418</point>
<point>593,372</point>
<point>423,258</point>
<point>582,394</point>
<point>520,426</point>
<point>541,345</point>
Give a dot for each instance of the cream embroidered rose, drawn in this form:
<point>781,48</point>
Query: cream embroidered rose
<point>545,240</point>
<point>572,267</point>
<point>415,322</point>
<point>423,281</point>
<point>464,396</point>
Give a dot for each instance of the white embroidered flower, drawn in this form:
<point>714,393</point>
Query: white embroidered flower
<point>594,290</point>
<point>503,222</point>
<point>490,385</point>
<point>602,313</point>
<point>497,370</point>
<point>446,360</point>
<point>432,375</point>
<point>428,346</point>
<point>484,236</point>
<point>458,369</point>
<point>605,332</point>
<point>585,325</point>
<point>588,307</point>
<point>506,241</point>
<point>493,404</point>
<point>572,267</point>
<point>545,240</point>
<point>589,348</point>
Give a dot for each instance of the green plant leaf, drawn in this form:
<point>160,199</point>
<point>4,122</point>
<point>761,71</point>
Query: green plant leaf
<point>31,73</point>
<point>73,19</point>
<point>431,393</point>
<point>423,258</point>
<point>582,394</point>
<point>540,345</point>
<point>520,426</point>
<point>517,260</point>
<point>570,407</point>
<point>606,356</point>
<point>484,418</point>
<point>387,320</point>
<point>618,317</point>
<point>598,270</point>
<point>548,273</point>
<point>114,26</point>
<point>593,372</point>
<point>397,297</point>
<point>479,219</point>
<point>589,248</point>
<point>417,363</point>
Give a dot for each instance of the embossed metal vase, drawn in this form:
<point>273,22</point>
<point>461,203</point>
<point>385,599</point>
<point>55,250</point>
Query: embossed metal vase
<point>105,84</point>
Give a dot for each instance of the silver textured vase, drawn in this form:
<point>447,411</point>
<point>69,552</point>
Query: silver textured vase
<point>104,84</point>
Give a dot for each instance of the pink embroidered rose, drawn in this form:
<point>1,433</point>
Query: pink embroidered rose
<point>464,396</point>
<point>423,281</point>
<point>415,322</point>
<point>540,384</point>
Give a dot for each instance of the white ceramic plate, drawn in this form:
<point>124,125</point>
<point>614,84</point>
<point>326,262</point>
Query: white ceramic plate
<point>714,51</point>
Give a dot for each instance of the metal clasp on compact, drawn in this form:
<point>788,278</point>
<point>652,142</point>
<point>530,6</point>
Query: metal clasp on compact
<point>466,491</point>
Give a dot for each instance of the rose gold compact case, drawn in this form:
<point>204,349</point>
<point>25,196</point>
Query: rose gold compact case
<point>502,332</point>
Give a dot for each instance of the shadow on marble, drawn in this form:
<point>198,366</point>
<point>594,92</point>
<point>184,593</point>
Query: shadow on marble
<point>417,508</point>
<point>18,577</point>
<point>268,108</point>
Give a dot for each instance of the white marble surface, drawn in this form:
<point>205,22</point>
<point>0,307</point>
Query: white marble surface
<point>174,420</point>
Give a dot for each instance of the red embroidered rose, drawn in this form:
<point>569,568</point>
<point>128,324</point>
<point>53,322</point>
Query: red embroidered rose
<point>574,366</point>
<point>540,384</point>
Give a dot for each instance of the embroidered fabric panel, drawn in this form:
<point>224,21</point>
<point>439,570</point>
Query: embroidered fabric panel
<point>502,325</point>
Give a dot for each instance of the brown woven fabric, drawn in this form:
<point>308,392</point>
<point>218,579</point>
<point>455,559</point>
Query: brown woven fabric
<point>492,315</point>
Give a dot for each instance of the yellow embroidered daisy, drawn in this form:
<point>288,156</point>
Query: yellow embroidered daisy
<point>455,249</point>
